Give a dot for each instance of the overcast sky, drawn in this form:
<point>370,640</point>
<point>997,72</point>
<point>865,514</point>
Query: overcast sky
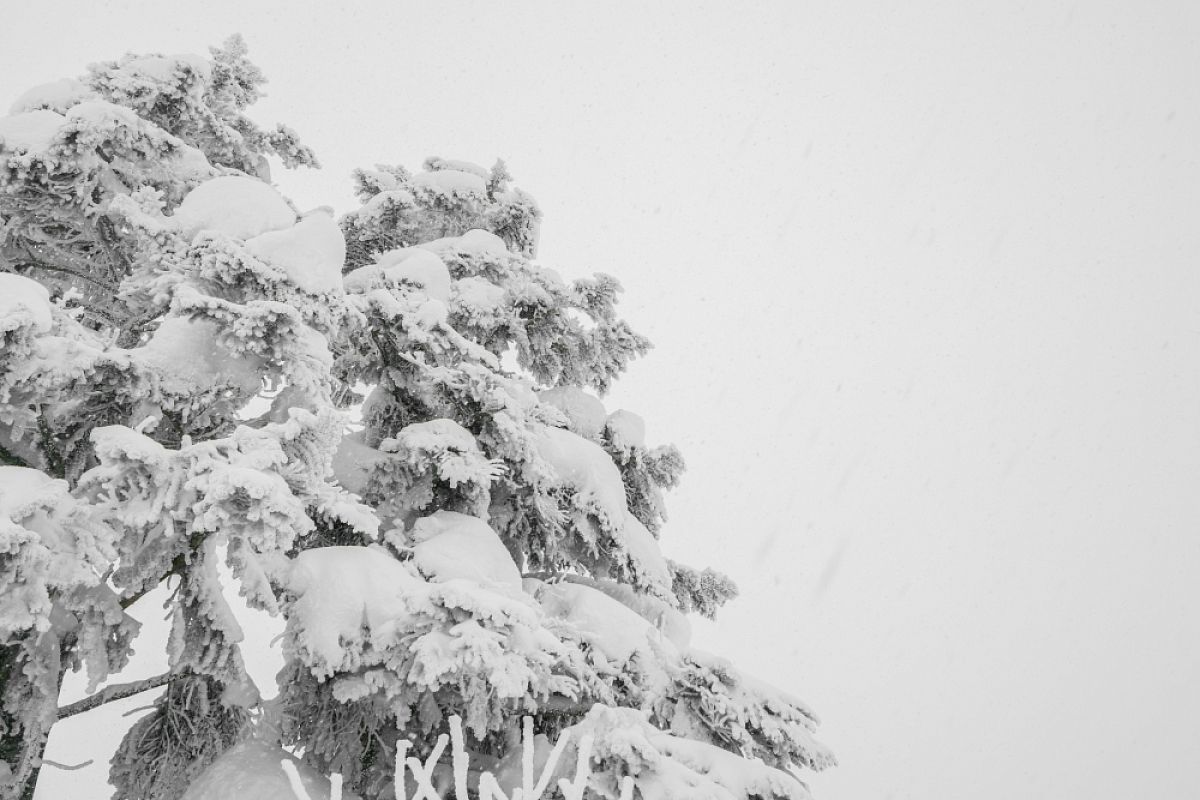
<point>923,283</point>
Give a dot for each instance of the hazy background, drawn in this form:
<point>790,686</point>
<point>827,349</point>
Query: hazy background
<point>923,283</point>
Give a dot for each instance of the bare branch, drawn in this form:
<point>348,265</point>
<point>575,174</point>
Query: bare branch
<point>116,692</point>
<point>68,767</point>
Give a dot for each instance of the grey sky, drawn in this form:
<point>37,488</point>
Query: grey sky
<point>923,283</point>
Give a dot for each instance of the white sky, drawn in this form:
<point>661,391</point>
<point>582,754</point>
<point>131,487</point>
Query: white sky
<point>923,281</point>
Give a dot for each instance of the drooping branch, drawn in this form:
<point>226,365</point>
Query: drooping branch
<point>116,692</point>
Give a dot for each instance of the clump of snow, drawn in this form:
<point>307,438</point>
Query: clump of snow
<point>448,545</point>
<point>626,430</point>
<point>57,96</point>
<point>353,461</point>
<point>101,113</point>
<point>645,554</point>
<point>32,131</point>
<point>436,164</point>
<point>341,590</point>
<point>253,769</point>
<point>671,623</point>
<point>479,295</point>
<point>609,626</point>
<point>168,69</point>
<point>667,767</point>
<point>311,252</point>
<point>23,303</point>
<point>237,206</point>
<point>419,267</point>
<point>187,356</point>
<point>452,182</point>
<point>587,468</point>
<point>475,241</point>
<point>585,413</point>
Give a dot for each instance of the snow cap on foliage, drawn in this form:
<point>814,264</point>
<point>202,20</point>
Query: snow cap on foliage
<point>31,131</point>
<point>252,770</point>
<point>585,412</point>
<point>186,356</point>
<point>24,303</point>
<point>57,95</point>
<point>419,267</point>
<point>626,430</point>
<point>452,182</point>
<point>311,252</point>
<point>474,242</point>
<point>585,466</point>
<point>448,545</point>
<point>607,625</point>
<point>237,206</point>
<point>353,462</point>
<point>667,767</point>
<point>340,591</point>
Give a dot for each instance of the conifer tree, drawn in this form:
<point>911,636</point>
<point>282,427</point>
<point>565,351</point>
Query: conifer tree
<point>388,427</point>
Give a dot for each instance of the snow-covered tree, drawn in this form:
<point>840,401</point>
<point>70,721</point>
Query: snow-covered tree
<point>387,428</point>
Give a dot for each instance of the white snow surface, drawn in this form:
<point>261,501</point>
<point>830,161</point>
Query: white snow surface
<point>585,412</point>
<point>479,295</point>
<point>339,590</point>
<point>31,131</point>
<point>420,267</point>
<point>448,545</point>
<point>311,252</point>
<point>237,206</point>
<point>187,357</point>
<point>438,164</point>
<point>56,95</point>
<point>252,770</point>
<point>353,460</point>
<point>101,113</point>
<point>475,241</point>
<point>452,182</point>
<point>23,303</point>
<point>609,626</point>
<point>167,69</point>
<point>626,430</point>
<point>585,466</point>
<point>643,549</point>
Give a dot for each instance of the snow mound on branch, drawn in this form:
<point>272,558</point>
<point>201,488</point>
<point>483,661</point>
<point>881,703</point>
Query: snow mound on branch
<point>168,69</point>
<point>353,461</point>
<point>436,164</point>
<point>102,114</point>
<point>311,252</point>
<point>671,623</point>
<point>57,96</point>
<point>420,267</point>
<point>33,131</point>
<point>647,558</point>
<point>609,626</point>
<point>342,590</point>
<point>474,242</point>
<point>452,182</point>
<point>449,545</point>
<point>237,206</point>
<point>626,430</point>
<point>479,295</point>
<point>585,466</point>
<point>667,767</point>
<point>23,303</point>
<point>585,413</point>
<point>187,356</point>
<point>252,769</point>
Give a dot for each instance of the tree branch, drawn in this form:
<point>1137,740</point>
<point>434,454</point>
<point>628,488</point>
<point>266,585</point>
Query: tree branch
<point>116,692</point>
